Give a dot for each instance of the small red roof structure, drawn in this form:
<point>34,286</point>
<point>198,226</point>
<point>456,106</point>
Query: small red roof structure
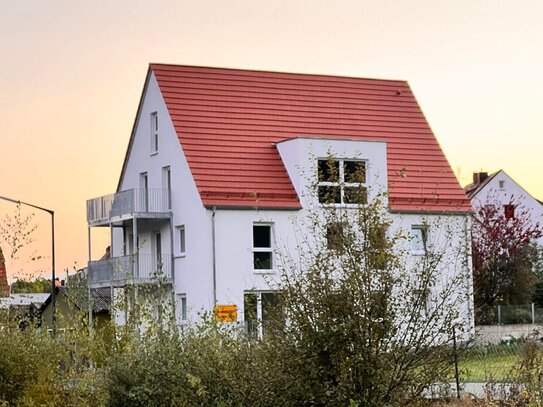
<point>4,286</point>
<point>228,120</point>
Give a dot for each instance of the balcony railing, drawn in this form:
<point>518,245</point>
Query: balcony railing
<point>104,208</point>
<point>131,269</point>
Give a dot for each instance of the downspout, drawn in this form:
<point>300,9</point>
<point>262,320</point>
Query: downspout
<point>89,292</point>
<point>469,265</point>
<point>214,257</point>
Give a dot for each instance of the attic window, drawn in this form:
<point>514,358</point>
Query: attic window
<point>154,132</point>
<point>502,184</point>
<point>342,182</point>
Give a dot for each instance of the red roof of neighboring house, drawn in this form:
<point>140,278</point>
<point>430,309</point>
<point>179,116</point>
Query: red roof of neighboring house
<point>228,119</point>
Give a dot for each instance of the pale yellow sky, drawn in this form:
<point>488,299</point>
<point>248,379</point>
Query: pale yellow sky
<point>72,74</point>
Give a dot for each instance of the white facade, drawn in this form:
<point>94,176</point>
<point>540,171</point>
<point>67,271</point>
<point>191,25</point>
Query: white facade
<point>500,189</point>
<point>214,265</point>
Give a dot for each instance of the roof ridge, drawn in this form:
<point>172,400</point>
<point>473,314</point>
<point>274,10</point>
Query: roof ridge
<point>255,70</point>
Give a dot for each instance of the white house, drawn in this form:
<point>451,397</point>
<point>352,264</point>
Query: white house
<point>500,189</point>
<point>218,169</point>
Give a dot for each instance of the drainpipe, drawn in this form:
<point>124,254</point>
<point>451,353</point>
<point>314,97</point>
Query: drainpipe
<point>89,281</point>
<point>469,264</point>
<point>214,259</point>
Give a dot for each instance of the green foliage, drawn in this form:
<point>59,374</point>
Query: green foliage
<point>29,367</point>
<point>366,325</point>
<point>357,323</point>
<point>40,285</point>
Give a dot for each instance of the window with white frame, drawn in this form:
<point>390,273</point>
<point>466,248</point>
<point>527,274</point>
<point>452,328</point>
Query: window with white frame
<point>419,239</point>
<point>262,247</point>
<point>181,245</point>
<point>342,181</point>
<point>258,308</point>
<point>167,185</point>
<point>181,305</point>
<point>143,204</point>
<point>154,132</point>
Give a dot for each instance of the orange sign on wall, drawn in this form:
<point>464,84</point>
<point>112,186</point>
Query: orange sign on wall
<point>226,313</point>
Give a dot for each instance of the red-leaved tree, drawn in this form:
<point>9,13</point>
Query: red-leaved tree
<point>504,254</point>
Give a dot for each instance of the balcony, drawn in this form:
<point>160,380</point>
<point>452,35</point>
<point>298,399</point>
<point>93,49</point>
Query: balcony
<point>130,270</point>
<point>151,203</point>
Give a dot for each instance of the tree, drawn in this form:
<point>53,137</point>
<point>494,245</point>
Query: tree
<point>363,323</point>
<point>504,256</point>
<point>39,285</point>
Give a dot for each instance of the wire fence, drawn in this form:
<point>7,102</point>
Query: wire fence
<point>492,362</point>
<point>509,314</point>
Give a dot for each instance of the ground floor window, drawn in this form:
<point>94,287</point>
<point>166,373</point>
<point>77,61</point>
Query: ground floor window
<point>258,309</point>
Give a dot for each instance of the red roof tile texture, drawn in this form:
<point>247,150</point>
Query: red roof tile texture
<point>228,119</point>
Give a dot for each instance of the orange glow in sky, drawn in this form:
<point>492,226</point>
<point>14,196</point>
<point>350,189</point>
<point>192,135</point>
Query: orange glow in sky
<point>72,73</point>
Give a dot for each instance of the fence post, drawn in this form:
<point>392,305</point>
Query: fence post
<point>499,314</point>
<point>456,374</point>
<point>533,313</point>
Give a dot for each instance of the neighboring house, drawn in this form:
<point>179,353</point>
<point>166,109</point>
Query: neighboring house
<point>219,169</point>
<point>24,308</point>
<point>72,307</point>
<point>500,189</point>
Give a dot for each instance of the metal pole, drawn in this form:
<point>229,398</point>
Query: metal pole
<point>456,374</point>
<point>53,288</point>
<point>89,238</point>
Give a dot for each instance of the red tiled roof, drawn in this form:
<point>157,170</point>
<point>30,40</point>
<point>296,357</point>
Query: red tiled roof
<point>227,120</point>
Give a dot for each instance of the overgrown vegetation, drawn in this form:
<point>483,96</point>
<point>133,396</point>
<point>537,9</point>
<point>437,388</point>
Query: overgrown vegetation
<point>357,323</point>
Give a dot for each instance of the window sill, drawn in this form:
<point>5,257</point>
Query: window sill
<point>257,271</point>
<point>341,205</point>
<point>180,256</point>
<point>154,153</point>
<point>418,253</point>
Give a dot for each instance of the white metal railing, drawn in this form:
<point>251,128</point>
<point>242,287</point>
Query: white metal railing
<point>134,268</point>
<point>151,200</point>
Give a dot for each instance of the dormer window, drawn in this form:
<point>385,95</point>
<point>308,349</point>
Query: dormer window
<point>342,182</point>
<point>154,132</point>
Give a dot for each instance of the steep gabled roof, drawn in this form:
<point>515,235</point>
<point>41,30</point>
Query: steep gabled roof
<point>228,119</point>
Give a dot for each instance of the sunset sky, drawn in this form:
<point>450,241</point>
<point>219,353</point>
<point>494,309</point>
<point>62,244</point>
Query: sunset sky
<point>72,73</point>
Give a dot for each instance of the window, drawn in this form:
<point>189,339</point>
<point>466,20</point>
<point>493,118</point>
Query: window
<point>378,256</point>
<point>158,252</point>
<point>167,185</point>
<point>181,239</point>
<point>154,132</point>
<point>258,308</point>
<point>144,192</point>
<point>342,182</point>
<point>502,184</point>
<point>262,247</point>
<point>421,300</point>
<point>419,238</point>
<point>181,304</point>
<point>509,211</point>
<point>334,237</point>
